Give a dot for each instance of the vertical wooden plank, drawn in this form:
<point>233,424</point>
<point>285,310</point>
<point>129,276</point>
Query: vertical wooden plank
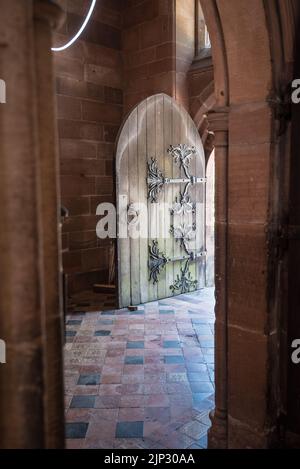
<point>122,200</point>
<point>190,140</point>
<point>143,195</point>
<point>201,208</point>
<point>152,207</point>
<point>161,154</point>
<point>198,196</point>
<point>134,199</point>
<point>168,193</point>
<point>176,188</point>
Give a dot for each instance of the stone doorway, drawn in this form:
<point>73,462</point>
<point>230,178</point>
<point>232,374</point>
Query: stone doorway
<point>249,218</point>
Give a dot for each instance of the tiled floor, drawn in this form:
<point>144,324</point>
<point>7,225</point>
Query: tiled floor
<point>141,379</point>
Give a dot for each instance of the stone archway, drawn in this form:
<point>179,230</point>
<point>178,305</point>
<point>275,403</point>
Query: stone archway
<point>253,53</point>
<point>251,64</point>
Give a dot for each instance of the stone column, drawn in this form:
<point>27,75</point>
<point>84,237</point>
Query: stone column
<point>218,123</point>
<point>29,313</point>
<point>47,16</point>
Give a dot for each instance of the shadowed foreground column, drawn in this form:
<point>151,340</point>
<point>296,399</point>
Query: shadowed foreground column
<point>47,16</point>
<point>28,303</point>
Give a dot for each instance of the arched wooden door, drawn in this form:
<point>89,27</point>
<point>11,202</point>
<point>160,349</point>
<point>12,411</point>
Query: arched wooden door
<point>160,169</point>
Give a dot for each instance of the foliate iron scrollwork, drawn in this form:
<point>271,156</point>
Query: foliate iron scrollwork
<point>156,181</point>
<point>184,282</point>
<point>157,261</point>
<point>182,155</point>
<point>184,205</point>
<point>184,234</point>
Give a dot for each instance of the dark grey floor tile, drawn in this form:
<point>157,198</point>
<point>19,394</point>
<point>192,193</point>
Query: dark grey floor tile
<point>102,333</point>
<point>174,359</point>
<point>134,360</point>
<point>89,379</point>
<point>76,430</point>
<point>74,322</point>
<point>171,344</point>
<point>130,430</point>
<point>105,322</point>
<point>83,402</point>
<point>135,345</point>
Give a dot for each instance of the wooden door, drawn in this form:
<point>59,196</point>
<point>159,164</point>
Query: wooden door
<point>160,169</point>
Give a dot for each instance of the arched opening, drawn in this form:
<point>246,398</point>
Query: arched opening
<point>122,59</point>
<point>245,177</point>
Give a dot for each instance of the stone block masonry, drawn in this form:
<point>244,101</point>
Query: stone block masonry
<point>90,110</point>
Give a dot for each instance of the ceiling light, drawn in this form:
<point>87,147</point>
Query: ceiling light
<point>59,49</point>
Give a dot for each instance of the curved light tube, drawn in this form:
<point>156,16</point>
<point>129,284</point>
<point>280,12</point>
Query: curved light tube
<point>59,49</point>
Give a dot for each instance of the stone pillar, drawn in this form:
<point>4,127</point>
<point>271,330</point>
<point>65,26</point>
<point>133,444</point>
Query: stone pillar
<point>30,382</point>
<point>47,17</point>
<point>218,120</point>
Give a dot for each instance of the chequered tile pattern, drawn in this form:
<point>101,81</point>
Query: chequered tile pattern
<point>142,379</point>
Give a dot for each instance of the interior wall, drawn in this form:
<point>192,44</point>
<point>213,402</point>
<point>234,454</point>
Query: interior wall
<point>89,89</point>
<point>185,48</point>
<point>129,51</point>
<point>158,49</point>
<point>148,49</point>
<point>201,74</point>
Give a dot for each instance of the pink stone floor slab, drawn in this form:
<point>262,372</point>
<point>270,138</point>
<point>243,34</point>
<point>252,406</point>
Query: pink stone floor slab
<point>142,379</point>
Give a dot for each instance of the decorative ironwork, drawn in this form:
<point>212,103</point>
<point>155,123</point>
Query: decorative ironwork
<point>184,282</point>
<point>184,234</point>
<point>182,155</point>
<point>156,180</point>
<point>157,261</point>
<point>190,180</point>
<point>184,206</point>
<point>192,256</point>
